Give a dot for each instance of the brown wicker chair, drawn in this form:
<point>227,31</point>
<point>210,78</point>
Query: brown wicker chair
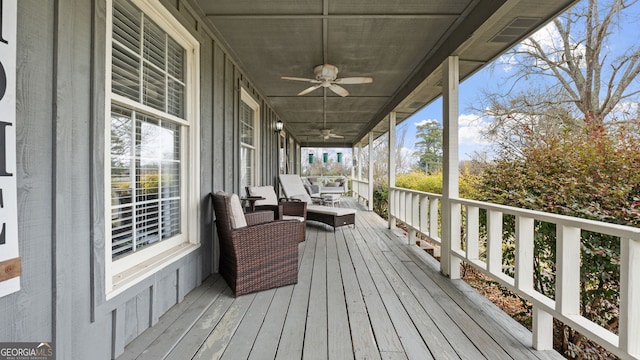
<point>259,256</point>
<point>282,208</point>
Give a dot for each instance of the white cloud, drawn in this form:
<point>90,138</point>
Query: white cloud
<point>420,123</point>
<point>625,110</point>
<point>468,119</point>
<point>550,41</point>
<point>407,159</point>
<point>470,128</point>
<point>508,61</point>
<point>408,152</point>
<point>548,37</point>
<point>626,106</point>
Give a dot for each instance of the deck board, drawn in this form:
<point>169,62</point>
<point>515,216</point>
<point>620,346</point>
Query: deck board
<point>363,340</point>
<point>266,343</point>
<point>384,331</point>
<point>412,342</point>
<point>200,331</point>
<point>338,330</point>
<point>218,341</point>
<point>362,293</point>
<point>292,339</point>
<point>184,314</point>
<point>316,334</point>
<point>453,335</point>
<point>248,330</point>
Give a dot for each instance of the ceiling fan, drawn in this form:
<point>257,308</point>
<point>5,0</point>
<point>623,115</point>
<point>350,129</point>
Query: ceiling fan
<point>326,76</point>
<point>326,134</point>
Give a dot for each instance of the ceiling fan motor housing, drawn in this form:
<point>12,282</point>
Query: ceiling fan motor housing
<point>326,72</point>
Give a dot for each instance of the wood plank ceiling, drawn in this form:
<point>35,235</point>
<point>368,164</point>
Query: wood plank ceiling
<point>400,43</point>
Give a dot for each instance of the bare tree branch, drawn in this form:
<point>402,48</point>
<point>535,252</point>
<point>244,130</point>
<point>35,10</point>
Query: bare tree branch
<point>579,77</point>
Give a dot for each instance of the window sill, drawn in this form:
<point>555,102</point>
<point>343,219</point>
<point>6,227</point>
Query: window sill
<point>128,278</point>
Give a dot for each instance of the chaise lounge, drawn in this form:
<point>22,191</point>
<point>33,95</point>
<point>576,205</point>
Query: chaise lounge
<point>293,188</point>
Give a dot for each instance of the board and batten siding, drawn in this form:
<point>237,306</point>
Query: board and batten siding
<point>26,314</point>
<point>60,161</point>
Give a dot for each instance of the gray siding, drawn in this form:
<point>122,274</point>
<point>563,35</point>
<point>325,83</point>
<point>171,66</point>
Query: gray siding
<point>60,128</point>
<point>27,313</point>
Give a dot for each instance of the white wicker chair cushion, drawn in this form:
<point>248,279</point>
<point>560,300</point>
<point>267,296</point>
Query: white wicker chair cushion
<point>237,215</point>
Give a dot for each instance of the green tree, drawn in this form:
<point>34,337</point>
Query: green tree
<point>429,146</point>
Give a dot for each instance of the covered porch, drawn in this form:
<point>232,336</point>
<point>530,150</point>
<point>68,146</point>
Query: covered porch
<point>235,118</point>
<point>362,293</point>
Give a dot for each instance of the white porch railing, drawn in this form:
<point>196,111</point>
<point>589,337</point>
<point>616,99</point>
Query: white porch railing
<point>420,211</point>
<point>329,184</point>
<point>360,189</point>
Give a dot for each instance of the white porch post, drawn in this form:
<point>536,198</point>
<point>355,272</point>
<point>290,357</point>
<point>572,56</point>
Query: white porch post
<point>392,166</point>
<point>629,328</point>
<point>370,188</point>
<point>353,170</point>
<point>359,171</point>
<point>450,265</point>
<point>359,161</point>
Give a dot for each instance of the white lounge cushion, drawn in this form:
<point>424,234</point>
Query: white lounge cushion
<point>292,185</point>
<point>330,210</point>
<point>290,217</point>
<point>267,192</point>
<point>237,215</point>
<point>303,197</point>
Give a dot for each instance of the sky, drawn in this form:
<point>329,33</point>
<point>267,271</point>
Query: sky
<point>471,125</point>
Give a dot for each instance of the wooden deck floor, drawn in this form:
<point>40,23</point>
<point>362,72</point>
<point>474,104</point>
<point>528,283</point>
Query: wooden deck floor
<point>362,293</point>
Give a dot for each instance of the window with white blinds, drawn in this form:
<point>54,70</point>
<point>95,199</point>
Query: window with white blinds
<point>249,110</point>
<point>145,180</point>
<point>148,119</point>
<point>147,64</point>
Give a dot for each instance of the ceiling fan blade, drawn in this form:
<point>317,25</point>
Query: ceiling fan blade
<point>339,90</point>
<point>336,136</point>
<point>297,79</point>
<point>354,80</point>
<point>308,90</point>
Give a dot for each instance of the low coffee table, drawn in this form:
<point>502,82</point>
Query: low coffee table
<point>332,199</point>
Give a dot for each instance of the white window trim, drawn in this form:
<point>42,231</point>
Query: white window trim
<point>131,269</point>
<point>255,106</point>
<point>291,156</point>
<point>297,166</point>
<point>282,152</point>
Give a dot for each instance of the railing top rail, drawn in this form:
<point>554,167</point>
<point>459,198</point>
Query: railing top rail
<point>622,231</point>
<point>326,177</point>
<point>416,192</point>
